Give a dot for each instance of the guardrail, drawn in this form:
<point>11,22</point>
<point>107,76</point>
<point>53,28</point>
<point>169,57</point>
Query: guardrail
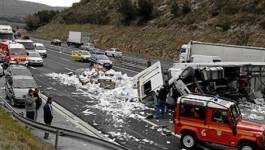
<point>57,131</point>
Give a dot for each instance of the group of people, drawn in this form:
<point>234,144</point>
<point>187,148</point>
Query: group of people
<point>33,103</point>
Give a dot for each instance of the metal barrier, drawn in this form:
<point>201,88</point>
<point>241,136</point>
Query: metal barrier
<point>57,131</point>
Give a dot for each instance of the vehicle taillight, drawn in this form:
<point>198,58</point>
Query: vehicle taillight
<point>12,59</point>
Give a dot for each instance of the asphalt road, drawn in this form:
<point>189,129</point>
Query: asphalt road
<point>60,62</point>
<point>141,134</point>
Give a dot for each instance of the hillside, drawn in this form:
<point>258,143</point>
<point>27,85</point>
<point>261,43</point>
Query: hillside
<point>170,24</point>
<point>20,9</point>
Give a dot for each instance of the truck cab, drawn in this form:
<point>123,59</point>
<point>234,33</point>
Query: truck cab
<point>215,120</point>
<point>6,33</point>
<point>183,53</point>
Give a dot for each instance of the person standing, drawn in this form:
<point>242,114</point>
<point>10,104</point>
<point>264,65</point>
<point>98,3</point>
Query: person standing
<point>30,105</point>
<point>48,114</point>
<point>162,96</point>
<point>38,102</point>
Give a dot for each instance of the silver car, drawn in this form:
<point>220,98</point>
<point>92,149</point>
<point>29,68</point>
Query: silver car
<point>17,87</point>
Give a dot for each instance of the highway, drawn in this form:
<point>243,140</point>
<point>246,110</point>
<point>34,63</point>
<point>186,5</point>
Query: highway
<point>59,61</point>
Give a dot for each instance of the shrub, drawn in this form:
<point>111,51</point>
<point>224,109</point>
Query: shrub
<point>186,8</point>
<point>127,11</point>
<point>175,8</point>
<point>145,9</point>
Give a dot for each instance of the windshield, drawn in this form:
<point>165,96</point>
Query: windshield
<point>40,47</point>
<point>6,36</point>
<point>21,72</point>
<point>24,83</point>
<point>84,53</point>
<point>102,57</point>
<point>183,50</point>
<point>15,51</point>
<point>34,55</point>
<point>28,45</point>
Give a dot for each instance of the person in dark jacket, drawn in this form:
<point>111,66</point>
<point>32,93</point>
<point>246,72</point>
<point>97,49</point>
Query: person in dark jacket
<point>162,96</point>
<point>48,114</point>
<point>38,102</point>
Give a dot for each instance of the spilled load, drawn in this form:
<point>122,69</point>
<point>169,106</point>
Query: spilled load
<point>105,78</point>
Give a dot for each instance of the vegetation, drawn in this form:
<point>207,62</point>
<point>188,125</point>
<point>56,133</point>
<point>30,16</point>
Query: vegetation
<point>14,136</point>
<point>40,18</point>
<point>159,28</point>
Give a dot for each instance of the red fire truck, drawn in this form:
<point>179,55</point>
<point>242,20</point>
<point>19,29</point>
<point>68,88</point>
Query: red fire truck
<point>13,53</point>
<point>215,120</point>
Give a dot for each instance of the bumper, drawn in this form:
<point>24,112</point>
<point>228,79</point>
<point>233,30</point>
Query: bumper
<point>36,63</point>
<point>43,55</point>
<point>18,62</point>
<point>18,101</point>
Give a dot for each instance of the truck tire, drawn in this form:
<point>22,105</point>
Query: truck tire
<point>247,146</point>
<point>188,141</point>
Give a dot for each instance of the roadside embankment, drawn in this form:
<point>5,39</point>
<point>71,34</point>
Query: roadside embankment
<point>16,137</point>
<point>149,41</point>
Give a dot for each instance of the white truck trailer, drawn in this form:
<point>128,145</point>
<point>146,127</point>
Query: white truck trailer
<point>78,38</point>
<point>199,52</point>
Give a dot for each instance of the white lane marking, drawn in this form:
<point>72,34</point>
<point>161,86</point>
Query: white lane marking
<point>58,52</point>
<point>33,68</point>
<point>113,66</point>
<point>65,59</point>
<point>125,69</point>
<point>69,69</point>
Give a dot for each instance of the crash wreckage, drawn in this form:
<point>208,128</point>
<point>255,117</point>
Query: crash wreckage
<point>239,81</point>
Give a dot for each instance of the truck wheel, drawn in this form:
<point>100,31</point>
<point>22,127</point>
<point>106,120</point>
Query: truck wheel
<point>188,140</point>
<point>247,146</point>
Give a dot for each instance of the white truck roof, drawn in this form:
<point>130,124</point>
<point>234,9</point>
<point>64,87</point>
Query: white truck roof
<point>16,45</point>
<point>6,29</point>
<point>212,102</point>
<point>21,41</point>
<point>38,44</point>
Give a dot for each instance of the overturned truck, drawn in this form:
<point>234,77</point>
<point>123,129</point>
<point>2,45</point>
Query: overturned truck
<point>234,80</point>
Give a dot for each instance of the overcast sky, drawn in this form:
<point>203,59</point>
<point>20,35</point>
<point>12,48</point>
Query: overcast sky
<point>64,3</point>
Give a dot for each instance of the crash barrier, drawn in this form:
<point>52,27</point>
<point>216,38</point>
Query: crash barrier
<point>61,131</point>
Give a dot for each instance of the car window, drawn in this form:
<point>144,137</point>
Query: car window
<point>102,57</point>
<point>21,72</point>
<point>40,47</point>
<point>24,83</point>
<point>16,51</point>
<point>220,116</point>
<point>193,111</point>
<point>34,55</point>
<point>28,45</point>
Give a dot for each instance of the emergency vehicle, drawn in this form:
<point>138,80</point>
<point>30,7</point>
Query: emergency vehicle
<point>215,120</point>
<point>14,53</point>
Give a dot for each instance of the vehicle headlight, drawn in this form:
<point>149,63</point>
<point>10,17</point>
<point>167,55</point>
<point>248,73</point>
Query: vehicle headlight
<point>12,59</point>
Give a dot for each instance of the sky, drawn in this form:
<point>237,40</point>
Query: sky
<point>63,3</point>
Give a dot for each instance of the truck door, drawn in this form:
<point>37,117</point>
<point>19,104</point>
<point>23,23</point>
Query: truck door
<point>151,79</point>
<point>219,130</point>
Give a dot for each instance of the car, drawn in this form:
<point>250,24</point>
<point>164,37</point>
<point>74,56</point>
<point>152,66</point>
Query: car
<point>17,87</point>
<point>56,42</point>
<point>28,44</point>
<point>34,58</point>
<point>215,120</point>
<point>96,51</point>
<point>40,48</point>
<point>14,70</point>
<point>101,60</point>
<point>87,46</point>
<point>114,52</point>
<point>81,55</point>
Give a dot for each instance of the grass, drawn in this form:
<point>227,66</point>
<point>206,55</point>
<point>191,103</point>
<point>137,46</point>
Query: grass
<point>15,137</point>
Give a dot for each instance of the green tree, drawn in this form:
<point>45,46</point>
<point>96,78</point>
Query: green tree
<point>127,11</point>
<point>145,9</point>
